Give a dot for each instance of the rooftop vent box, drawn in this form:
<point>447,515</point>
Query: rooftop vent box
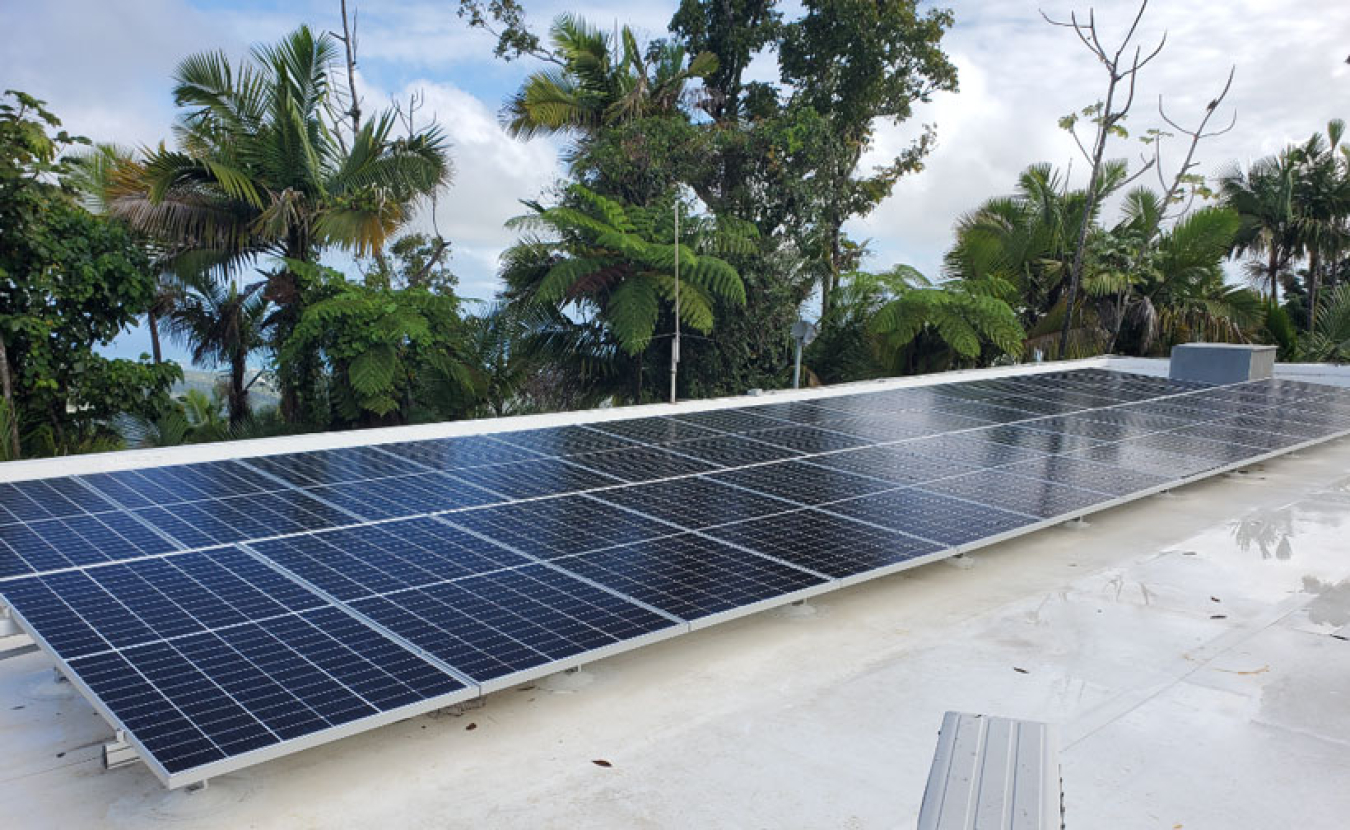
<point>1222,362</point>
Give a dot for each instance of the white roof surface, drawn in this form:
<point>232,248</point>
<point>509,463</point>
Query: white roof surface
<point>1183,643</point>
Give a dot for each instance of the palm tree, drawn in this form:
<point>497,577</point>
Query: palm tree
<point>1025,242</point>
<point>607,270</point>
<point>1263,196</point>
<point>222,325</point>
<point>259,172</point>
<point>1321,197</point>
<point>600,82</point>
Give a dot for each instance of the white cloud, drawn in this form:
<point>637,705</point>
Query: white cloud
<point>493,172</point>
<point>1018,75</point>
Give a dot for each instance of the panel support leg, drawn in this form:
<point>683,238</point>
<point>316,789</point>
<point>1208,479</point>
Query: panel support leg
<point>118,752</point>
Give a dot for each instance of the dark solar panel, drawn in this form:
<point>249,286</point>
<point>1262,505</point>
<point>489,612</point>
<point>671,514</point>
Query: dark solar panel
<point>356,562</point>
<point>409,495</point>
<point>1033,497</point>
<point>642,463</point>
<point>530,479</point>
<point>826,543</point>
<point>731,450</point>
<point>220,610</point>
<point>894,464</point>
<point>938,518</point>
<point>200,524</point>
<point>458,453</point>
<point>563,440</point>
<point>690,576</point>
<point>498,624</point>
<point>27,501</point>
<point>334,466</point>
<point>694,502</point>
<point>801,482</point>
<point>653,430</point>
<point>549,528</point>
<point>808,439</point>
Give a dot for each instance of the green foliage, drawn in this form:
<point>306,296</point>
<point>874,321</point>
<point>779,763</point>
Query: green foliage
<point>69,282</point>
<point>379,344</point>
<point>1330,339</point>
<point>263,169</point>
<point>611,263</point>
<point>414,260</point>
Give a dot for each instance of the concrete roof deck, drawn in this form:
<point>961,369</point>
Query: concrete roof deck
<point>1183,642</point>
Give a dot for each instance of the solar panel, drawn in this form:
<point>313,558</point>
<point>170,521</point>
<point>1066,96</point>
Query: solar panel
<point>225,612</point>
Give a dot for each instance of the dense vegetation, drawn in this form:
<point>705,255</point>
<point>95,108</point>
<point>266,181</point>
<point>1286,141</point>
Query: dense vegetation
<point>676,164</point>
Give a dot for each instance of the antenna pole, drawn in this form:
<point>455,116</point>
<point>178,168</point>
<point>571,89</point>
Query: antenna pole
<point>675,343</point>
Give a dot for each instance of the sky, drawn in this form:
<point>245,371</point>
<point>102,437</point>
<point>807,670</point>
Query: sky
<point>104,68</point>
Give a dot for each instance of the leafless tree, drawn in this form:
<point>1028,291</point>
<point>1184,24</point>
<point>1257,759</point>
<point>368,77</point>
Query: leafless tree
<point>1121,69</point>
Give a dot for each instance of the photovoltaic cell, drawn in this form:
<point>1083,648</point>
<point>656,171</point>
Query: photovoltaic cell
<point>829,544</point>
<point>222,608</point>
<point>564,440</point>
<point>690,576</point>
<point>363,561</point>
<point>694,502</point>
<point>801,482</point>
<point>731,450</point>
<point>407,495</point>
<point>334,466</point>
<point>26,501</point>
<point>531,479</point>
<point>458,453</point>
<point>653,430</point>
<point>1033,497</point>
<point>943,519</point>
<point>550,528</point>
<point>642,463</point>
<point>497,624</point>
<point>201,524</point>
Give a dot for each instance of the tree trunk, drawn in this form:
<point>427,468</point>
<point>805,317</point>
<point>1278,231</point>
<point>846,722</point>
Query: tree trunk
<point>238,399</point>
<point>7,382</point>
<point>1273,272</point>
<point>152,320</point>
<point>1314,280</point>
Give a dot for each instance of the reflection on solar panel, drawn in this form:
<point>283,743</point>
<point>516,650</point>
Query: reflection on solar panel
<point>227,612</point>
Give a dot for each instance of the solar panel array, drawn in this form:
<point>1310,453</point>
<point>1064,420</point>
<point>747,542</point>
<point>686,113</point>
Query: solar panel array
<point>226,612</point>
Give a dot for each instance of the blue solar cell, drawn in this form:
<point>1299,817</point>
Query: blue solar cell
<point>530,479</point>
<point>690,576</point>
<point>696,502</point>
<point>1034,497</point>
<point>1077,472</point>
<point>831,545</point>
<point>408,495</point>
<point>970,449</point>
<point>563,440</point>
<point>26,501</point>
<point>375,559</point>
<point>549,528</point>
<point>730,420</point>
<point>458,453</point>
<point>803,483</point>
<point>642,463</point>
<point>731,450</point>
<point>75,541</point>
<point>892,464</point>
<point>653,430</point>
<point>808,439</point>
<point>497,624</point>
<point>222,521</point>
<point>333,466</point>
<point>186,482</point>
<point>942,519</point>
